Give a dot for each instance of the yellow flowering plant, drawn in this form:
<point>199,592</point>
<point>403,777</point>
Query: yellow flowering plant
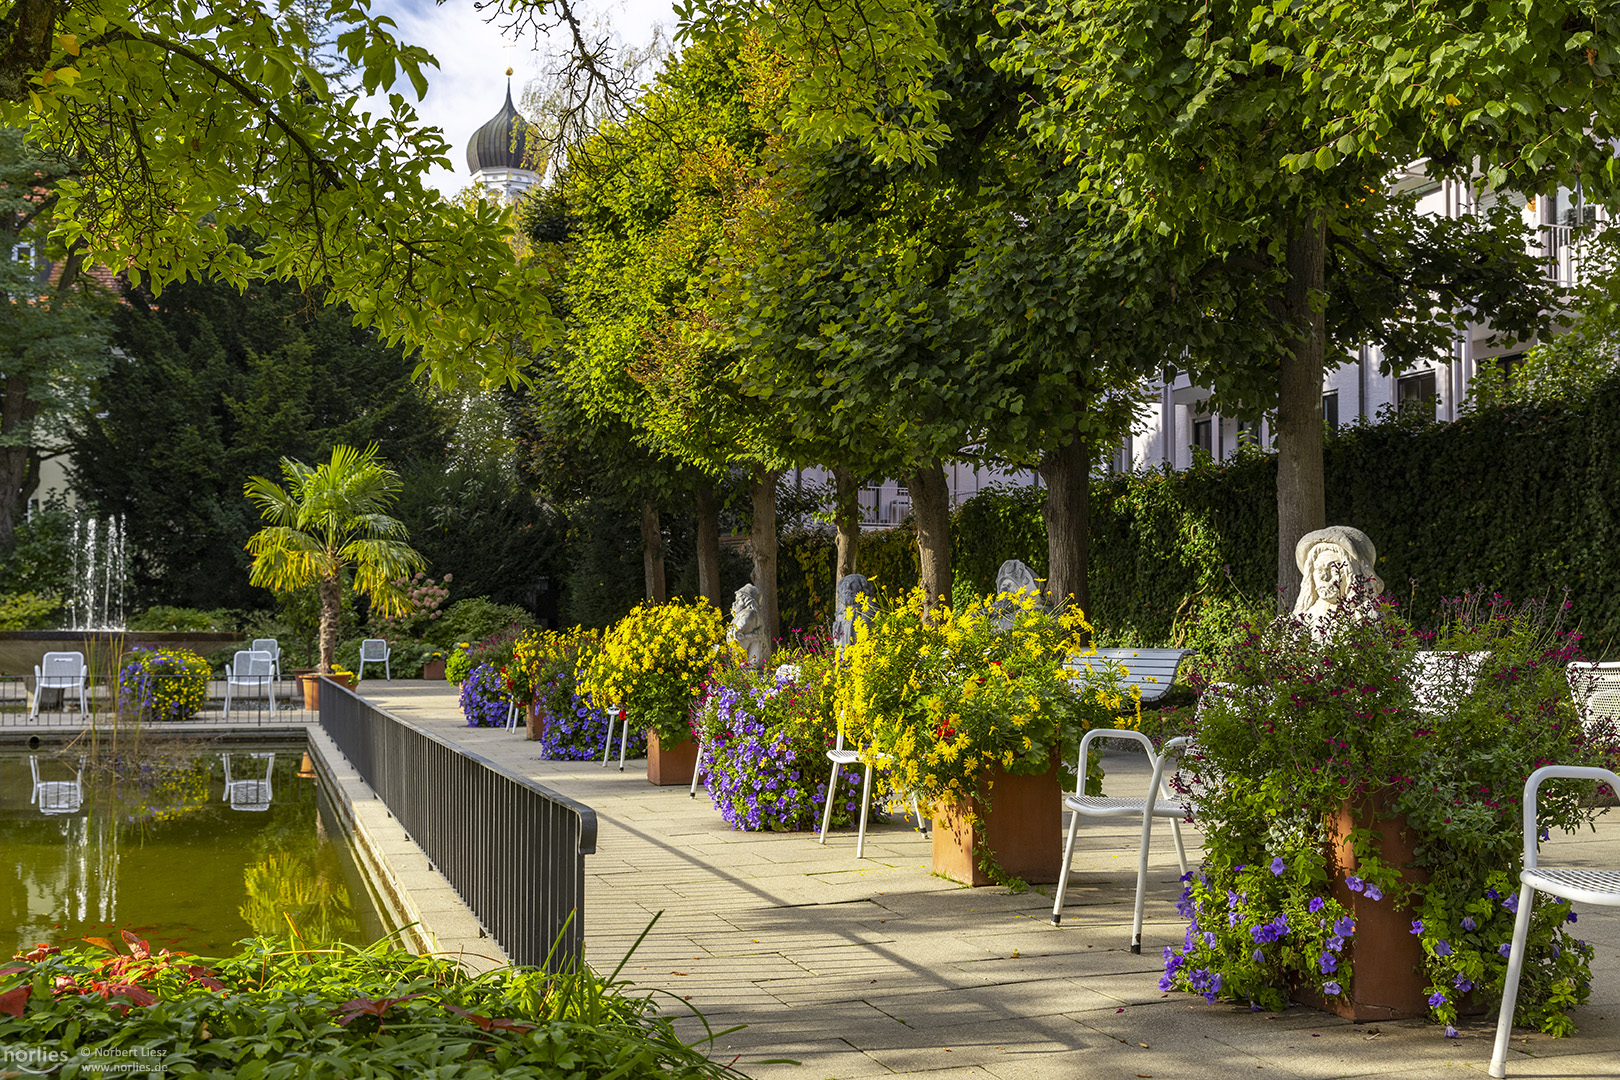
<point>944,698</point>
<point>653,663</point>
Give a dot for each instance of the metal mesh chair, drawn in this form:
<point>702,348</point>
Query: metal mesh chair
<point>374,650</point>
<point>250,674</point>
<point>61,672</point>
<point>57,796</point>
<point>1595,689</point>
<point>252,794</point>
<point>1601,887</point>
<point>269,645</point>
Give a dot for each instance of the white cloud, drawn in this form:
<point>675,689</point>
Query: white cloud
<point>469,84</point>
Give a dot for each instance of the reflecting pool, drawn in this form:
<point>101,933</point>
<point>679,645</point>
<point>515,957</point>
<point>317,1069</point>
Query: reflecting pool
<point>189,849</point>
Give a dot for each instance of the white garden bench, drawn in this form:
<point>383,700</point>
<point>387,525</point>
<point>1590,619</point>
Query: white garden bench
<point>1152,671</point>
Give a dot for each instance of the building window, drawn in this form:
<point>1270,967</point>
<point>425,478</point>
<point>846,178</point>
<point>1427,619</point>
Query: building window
<point>1330,410</point>
<point>23,253</point>
<point>1416,391</point>
<point>1203,433</point>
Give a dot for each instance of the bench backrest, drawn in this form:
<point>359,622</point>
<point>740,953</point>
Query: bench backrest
<point>1152,671</point>
<point>1595,689</point>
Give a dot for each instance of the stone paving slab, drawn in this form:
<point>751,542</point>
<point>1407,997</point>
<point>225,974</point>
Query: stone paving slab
<point>876,968</point>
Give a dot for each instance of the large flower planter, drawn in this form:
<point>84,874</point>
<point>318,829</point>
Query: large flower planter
<point>433,671</point>
<point>673,765</point>
<point>1022,827</point>
<point>1386,957</point>
<point>536,722</point>
<point>311,686</point>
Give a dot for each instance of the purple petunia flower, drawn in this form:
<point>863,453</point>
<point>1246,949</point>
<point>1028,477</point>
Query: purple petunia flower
<point>1277,866</point>
<point>1317,903</point>
<point>1512,903</point>
<point>1463,983</point>
<point>1374,892</point>
<point>1505,949</point>
<point>1259,957</point>
<point>1354,884</point>
<point>1442,947</point>
<point>1451,1032</point>
<point>1468,922</point>
<point>1344,926</point>
<point>1328,963</point>
<point>1335,944</point>
<point>1492,894</point>
<point>1417,926</point>
<point>1571,916</point>
<point>1332,989</point>
<point>1436,1000</point>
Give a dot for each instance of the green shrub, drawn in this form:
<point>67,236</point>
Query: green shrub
<point>158,619</point>
<point>29,611</point>
<point>339,1011</point>
<point>474,620</point>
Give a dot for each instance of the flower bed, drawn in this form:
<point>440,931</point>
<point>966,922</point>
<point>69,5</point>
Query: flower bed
<point>162,684</point>
<point>1333,733</point>
<point>765,750</point>
<point>484,700</point>
<point>653,662</point>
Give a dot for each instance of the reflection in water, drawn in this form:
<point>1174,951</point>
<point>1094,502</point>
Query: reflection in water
<point>156,847</point>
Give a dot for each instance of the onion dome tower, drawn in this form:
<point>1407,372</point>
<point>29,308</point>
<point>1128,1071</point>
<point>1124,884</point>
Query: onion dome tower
<point>497,154</point>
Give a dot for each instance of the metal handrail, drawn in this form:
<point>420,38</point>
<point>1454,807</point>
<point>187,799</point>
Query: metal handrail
<point>513,849</point>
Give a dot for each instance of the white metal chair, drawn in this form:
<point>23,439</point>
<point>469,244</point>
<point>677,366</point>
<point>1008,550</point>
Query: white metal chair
<point>614,713</point>
<point>1442,679</point>
<point>1156,802</point>
<point>374,650</point>
<point>1601,887</point>
<point>251,795</point>
<point>57,796</point>
<point>60,671</point>
<point>250,674</point>
<point>271,646</point>
<point>840,757</point>
<point>1595,689</point>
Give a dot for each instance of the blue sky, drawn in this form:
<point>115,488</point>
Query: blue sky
<point>469,85</point>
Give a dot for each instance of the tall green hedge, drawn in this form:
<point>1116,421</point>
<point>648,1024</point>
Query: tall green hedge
<point>1522,500</point>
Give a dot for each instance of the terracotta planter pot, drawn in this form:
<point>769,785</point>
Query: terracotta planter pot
<point>433,671</point>
<point>1386,956</point>
<point>536,722</point>
<point>350,681</point>
<point>672,766</point>
<point>311,686</point>
<point>1022,827</point>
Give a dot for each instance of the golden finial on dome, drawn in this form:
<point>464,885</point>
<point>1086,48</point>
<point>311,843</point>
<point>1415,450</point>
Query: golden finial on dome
<point>508,73</point>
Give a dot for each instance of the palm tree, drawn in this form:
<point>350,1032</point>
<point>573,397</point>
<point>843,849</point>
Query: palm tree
<point>327,521</point>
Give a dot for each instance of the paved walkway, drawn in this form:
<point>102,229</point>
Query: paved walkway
<point>877,968</point>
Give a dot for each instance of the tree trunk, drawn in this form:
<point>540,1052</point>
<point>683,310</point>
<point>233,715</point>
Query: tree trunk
<point>847,517</point>
<point>17,414</point>
<point>762,538</point>
<point>1067,472</point>
<point>331,590</point>
<point>652,553</point>
<point>708,544</point>
<point>1301,501</point>
<point>931,508</point>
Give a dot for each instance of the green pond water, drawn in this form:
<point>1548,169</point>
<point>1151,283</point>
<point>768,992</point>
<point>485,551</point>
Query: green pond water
<point>153,843</point>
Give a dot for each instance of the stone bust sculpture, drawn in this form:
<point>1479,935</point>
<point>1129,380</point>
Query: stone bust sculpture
<point>1014,579</point>
<point>854,599</point>
<point>748,626</point>
<point>1332,563</point>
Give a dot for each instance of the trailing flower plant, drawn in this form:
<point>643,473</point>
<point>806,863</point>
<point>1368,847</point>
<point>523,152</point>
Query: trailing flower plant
<point>570,726</point>
<point>653,663</point>
<point>162,684</point>
<point>1304,729</point>
<point>944,697</point>
<point>765,746</point>
<point>483,697</point>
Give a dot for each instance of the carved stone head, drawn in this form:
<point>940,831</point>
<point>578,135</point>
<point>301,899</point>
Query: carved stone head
<point>854,599</point>
<point>748,625</point>
<point>1015,586</point>
<point>1334,563</point>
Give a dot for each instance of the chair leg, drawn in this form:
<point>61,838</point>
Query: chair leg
<point>1063,875</point>
<point>1181,848</point>
<point>227,699</point>
<point>624,739</point>
<point>826,812</point>
<point>697,771</point>
<point>1510,988</point>
<point>1141,878</point>
<point>607,744</point>
<point>866,804</point>
<point>916,808</point>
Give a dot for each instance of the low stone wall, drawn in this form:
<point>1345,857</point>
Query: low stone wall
<point>21,650</point>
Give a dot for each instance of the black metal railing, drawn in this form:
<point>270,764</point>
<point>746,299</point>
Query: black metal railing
<point>95,701</point>
<point>513,849</point>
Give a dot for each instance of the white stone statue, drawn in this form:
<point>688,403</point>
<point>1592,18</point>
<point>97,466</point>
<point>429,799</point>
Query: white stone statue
<point>1015,585</point>
<point>854,599</point>
<point>748,626</point>
<point>1335,563</point>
